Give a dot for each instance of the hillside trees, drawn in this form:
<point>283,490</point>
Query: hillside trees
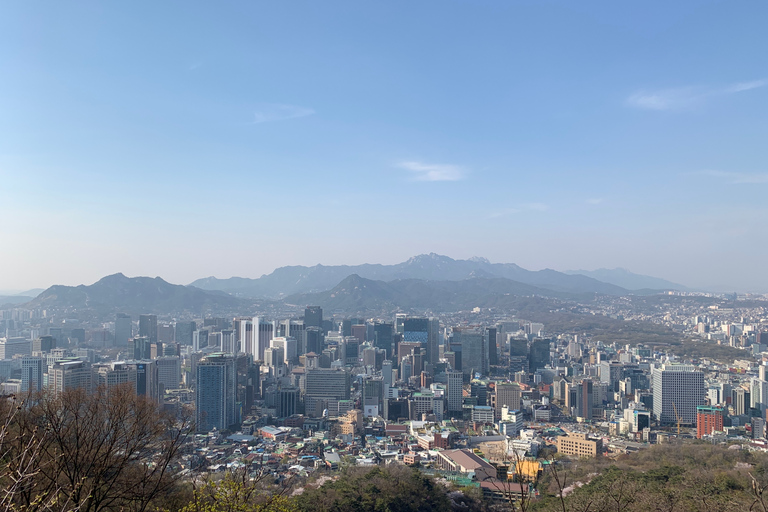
<point>395,488</point>
<point>107,450</point>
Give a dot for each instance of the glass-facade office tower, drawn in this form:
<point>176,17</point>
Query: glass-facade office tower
<point>215,392</point>
<point>148,327</point>
<point>123,330</point>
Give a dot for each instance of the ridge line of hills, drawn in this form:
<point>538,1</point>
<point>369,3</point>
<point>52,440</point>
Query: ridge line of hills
<point>292,280</point>
<point>426,282</point>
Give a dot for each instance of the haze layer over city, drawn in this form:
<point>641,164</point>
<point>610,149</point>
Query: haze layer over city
<point>304,256</point>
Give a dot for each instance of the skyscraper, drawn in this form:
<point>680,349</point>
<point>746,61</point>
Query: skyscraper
<point>148,327</point>
<point>288,401</point>
<point>472,342</point>
<point>382,337</point>
<point>506,394</point>
<point>454,391</point>
<point>31,373</point>
<point>215,392</point>
<point>433,343</point>
<point>44,344</point>
<point>315,338</point>
<point>123,330</point>
<point>183,332</point>
<point>313,316</point>
<point>324,388</point>
<point>228,341</point>
<point>169,372</point>
<point>70,373</point>
<point>538,355</point>
<point>142,348</point>
<point>199,340</point>
<point>493,355</point>
<point>677,388</point>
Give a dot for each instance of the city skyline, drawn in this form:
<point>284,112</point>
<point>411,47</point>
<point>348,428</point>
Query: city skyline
<point>233,141</point>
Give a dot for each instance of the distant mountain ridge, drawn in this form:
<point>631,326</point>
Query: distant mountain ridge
<point>133,295</point>
<point>357,294</point>
<point>292,280</point>
<point>629,280</point>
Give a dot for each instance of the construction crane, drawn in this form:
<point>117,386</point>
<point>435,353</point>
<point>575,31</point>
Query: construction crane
<point>679,419</point>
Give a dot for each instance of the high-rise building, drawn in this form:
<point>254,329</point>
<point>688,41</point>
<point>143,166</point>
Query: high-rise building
<point>506,394</point>
<point>295,329</point>
<point>741,400</point>
<point>165,333</point>
<point>215,392</point>
<point>358,331</point>
<point>709,419</point>
<point>454,391</point>
<point>228,341</point>
<point>148,327</point>
<point>585,398</point>
<point>147,379</point>
<point>142,348</point>
<point>677,391</point>
<point>43,344</point>
<point>472,342</point>
<point>382,337</point>
<point>255,336</point>
<point>493,354</point>
<point>199,340</point>
<point>183,332</point>
<point>433,341</point>
<point>275,356</point>
<point>400,322</point>
<point>324,386</point>
<point>314,339</point>
<point>288,401</point>
<point>116,374</point>
<point>10,347</point>
<point>123,330</point>
<point>169,372</point>
<point>313,316</point>
<point>70,373</point>
<point>538,355</point>
<point>31,373</point>
<point>386,373</point>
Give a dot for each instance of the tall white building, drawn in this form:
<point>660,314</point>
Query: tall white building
<point>71,373</point>
<point>289,346</point>
<point>10,347</point>
<point>228,342</point>
<point>255,336</point>
<point>32,369</point>
<point>453,391</point>
<point>677,388</point>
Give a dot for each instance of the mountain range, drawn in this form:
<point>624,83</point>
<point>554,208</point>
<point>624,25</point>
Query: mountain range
<point>426,282</point>
<point>357,294</point>
<point>134,295</point>
<point>626,279</point>
<point>292,280</point>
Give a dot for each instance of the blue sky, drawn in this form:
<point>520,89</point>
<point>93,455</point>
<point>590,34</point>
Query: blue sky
<point>187,139</point>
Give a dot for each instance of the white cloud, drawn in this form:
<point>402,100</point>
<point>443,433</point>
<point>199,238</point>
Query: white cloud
<point>684,97</point>
<point>739,178</point>
<point>279,112</point>
<point>433,172</point>
<point>530,207</point>
<point>747,86</point>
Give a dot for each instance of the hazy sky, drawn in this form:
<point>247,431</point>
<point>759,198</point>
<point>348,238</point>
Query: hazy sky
<point>188,139</point>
